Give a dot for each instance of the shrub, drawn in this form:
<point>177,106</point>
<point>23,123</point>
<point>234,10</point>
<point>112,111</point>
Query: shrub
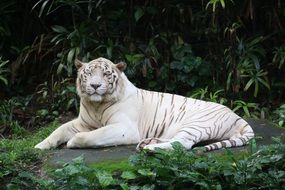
<point>177,169</point>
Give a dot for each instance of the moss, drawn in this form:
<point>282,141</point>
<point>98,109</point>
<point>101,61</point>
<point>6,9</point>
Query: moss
<point>111,166</point>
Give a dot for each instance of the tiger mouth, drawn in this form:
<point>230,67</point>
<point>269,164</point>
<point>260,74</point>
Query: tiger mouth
<point>94,93</point>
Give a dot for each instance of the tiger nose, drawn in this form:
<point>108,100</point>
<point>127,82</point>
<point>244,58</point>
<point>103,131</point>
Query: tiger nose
<point>95,86</point>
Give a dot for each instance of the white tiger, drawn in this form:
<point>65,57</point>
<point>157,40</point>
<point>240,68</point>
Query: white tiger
<point>115,112</point>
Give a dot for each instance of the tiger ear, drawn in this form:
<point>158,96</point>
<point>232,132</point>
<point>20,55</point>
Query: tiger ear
<point>121,66</point>
<point>78,64</point>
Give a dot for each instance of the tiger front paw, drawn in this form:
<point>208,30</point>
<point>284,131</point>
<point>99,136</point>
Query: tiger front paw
<point>77,141</point>
<point>144,143</point>
<point>44,145</point>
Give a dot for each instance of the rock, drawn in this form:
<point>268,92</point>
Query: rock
<point>263,129</point>
<point>115,153</point>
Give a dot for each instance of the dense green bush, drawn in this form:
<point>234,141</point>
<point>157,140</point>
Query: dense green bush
<point>177,169</point>
<point>175,46</point>
<point>230,46</point>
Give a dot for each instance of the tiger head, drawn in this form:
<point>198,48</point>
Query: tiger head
<point>99,80</point>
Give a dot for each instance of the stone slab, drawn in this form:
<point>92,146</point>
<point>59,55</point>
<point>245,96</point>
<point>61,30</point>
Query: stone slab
<point>262,128</point>
<point>114,153</point>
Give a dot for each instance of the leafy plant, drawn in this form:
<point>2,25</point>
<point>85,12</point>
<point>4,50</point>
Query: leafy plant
<point>215,3</point>
<point>187,68</point>
<point>244,63</point>
<point>205,94</point>
<point>279,116</point>
<point>255,78</point>
<point>176,169</point>
<point>279,56</point>
<point>58,97</point>
<point>246,109</point>
<point>74,42</point>
<point>7,119</point>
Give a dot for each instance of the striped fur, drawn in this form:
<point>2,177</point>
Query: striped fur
<point>120,113</point>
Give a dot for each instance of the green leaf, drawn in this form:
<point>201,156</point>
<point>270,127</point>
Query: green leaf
<point>223,3</point>
<point>59,29</point>
<point>229,80</point>
<point>203,185</point>
<point>248,84</point>
<point>246,111</point>
<point>256,87</point>
<point>70,55</point>
<point>109,52</point>
<point>265,83</point>
<point>253,145</point>
<point>124,186</point>
<point>82,181</point>
<point>128,175</point>
<point>72,170</point>
<point>43,7</point>
<point>148,187</point>
<point>105,179</point>
<point>12,186</point>
<point>139,13</point>
<point>146,172</point>
<point>214,7</point>
<point>59,68</point>
<point>4,80</point>
<point>138,56</point>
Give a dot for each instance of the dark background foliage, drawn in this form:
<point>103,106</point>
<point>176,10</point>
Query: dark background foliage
<point>226,51</point>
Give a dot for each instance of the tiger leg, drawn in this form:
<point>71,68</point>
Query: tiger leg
<point>148,141</point>
<point>109,135</point>
<point>240,138</point>
<point>186,136</point>
<point>234,141</point>
<point>168,145</point>
<point>62,134</point>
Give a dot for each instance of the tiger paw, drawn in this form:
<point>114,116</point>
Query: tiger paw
<point>76,142</point>
<point>44,145</point>
<point>146,142</point>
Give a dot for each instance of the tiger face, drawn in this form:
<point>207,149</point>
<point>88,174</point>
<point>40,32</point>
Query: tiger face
<point>98,79</point>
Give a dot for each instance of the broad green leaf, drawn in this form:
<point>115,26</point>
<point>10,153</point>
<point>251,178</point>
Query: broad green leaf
<point>138,56</point>
<point>70,55</point>
<point>139,13</point>
<point>59,68</point>
<point>128,175</point>
<point>71,170</point>
<point>146,172</point>
<point>124,186</point>
<point>105,179</point>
